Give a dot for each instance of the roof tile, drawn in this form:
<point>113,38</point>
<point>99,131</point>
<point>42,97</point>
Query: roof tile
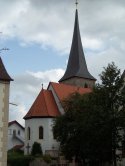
<point>44,106</point>
<point>64,90</point>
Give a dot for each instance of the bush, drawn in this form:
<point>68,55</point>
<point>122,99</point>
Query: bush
<point>19,160</point>
<point>47,158</point>
<point>36,149</point>
<point>15,152</point>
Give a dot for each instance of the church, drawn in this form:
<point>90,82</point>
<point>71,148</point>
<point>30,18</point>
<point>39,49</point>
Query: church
<point>47,106</point>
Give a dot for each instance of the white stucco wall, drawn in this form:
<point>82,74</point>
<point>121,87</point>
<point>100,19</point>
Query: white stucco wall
<point>48,141</point>
<point>12,141</point>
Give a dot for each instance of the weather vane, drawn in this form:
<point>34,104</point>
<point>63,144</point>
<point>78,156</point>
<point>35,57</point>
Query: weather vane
<point>76,3</point>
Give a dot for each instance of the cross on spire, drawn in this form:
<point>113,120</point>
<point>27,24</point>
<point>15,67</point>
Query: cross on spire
<point>42,85</point>
<point>76,3</point>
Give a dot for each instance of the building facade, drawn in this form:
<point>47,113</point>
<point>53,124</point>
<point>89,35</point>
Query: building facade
<point>15,135</point>
<point>4,111</point>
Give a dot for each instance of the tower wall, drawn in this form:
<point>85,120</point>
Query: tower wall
<point>4,107</point>
<point>81,82</point>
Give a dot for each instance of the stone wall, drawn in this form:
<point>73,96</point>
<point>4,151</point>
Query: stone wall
<point>80,82</point>
<point>4,107</point>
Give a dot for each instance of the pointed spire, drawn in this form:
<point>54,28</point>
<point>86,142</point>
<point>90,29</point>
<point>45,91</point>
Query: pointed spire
<point>4,76</point>
<point>76,64</point>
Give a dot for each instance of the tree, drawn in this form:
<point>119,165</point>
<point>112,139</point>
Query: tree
<point>36,149</point>
<point>114,90</point>
<point>89,129</point>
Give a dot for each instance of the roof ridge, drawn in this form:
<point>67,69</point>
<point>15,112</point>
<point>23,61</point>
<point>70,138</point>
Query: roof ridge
<point>15,121</point>
<point>56,92</point>
<point>45,100</point>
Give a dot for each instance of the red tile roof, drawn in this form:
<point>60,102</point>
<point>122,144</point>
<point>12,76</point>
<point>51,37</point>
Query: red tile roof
<point>15,122</point>
<point>64,90</point>
<point>44,106</point>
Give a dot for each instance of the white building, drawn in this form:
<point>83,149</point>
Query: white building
<point>15,135</point>
<point>48,104</point>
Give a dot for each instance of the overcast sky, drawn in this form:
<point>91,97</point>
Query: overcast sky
<point>39,34</point>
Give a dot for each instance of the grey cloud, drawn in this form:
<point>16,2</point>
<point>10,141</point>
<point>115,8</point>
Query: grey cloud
<point>50,23</point>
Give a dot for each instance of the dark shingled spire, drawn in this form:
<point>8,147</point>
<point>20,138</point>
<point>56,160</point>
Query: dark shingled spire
<point>4,76</point>
<point>76,65</point>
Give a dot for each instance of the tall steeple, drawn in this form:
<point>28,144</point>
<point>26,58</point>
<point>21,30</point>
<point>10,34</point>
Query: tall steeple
<point>77,72</point>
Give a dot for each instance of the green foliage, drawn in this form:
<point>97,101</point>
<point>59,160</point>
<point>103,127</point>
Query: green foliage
<point>36,149</point>
<point>16,157</point>
<point>89,129</point>
<point>16,152</point>
<point>16,160</point>
<point>47,158</point>
<point>85,86</point>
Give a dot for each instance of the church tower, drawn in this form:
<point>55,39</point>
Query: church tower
<point>4,107</point>
<point>77,72</point>
<point>48,104</point>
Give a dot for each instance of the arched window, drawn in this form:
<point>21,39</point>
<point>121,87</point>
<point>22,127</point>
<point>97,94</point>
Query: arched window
<point>28,133</point>
<point>40,132</point>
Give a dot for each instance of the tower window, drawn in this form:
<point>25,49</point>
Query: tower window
<point>85,85</point>
<point>40,132</point>
<point>28,133</point>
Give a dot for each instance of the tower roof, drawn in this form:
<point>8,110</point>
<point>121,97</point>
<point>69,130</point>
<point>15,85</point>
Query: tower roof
<point>76,64</point>
<point>4,76</point>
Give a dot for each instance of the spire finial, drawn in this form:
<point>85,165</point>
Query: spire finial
<point>42,85</point>
<point>76,3</point>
